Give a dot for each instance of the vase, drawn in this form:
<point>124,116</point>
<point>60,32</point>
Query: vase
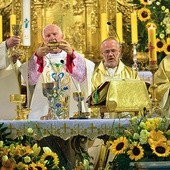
<point>155,165</point>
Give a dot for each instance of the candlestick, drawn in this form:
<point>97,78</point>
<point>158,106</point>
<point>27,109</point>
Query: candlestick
<point>1,29</point>
<point>119,27</point>
<point>152,47</point>
<point>134,28</point>
<point>12,22</point>
<point>103,26</point>
<point>135,65</point>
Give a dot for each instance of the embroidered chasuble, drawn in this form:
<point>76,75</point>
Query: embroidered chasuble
<point>54,70</point>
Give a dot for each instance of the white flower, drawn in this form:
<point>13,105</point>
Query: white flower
<point>46,149</point>
<point>4,158</point>
<point>27,159</point>
<point>1,144</point>
<point>30,131</point>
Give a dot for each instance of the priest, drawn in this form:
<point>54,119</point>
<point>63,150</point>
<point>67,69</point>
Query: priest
<point>8,77</point>
<point>53,57</point>
<point>162,80</point>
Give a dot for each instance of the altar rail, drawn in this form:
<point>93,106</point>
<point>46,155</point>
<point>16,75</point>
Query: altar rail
<point>65,129</point>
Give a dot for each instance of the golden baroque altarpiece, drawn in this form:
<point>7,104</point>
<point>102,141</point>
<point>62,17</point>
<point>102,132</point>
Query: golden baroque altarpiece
<point>79,19</point>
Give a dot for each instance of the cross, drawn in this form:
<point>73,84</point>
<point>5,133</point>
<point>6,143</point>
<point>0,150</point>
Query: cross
<point>151,48</point>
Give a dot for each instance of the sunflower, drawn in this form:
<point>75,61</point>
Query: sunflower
<point>119,146</point>
<point>146,2</point>
<point>144,14</point>
<point>161,149</point>
<point>167,48</point>
<point>160,45</point>
<point>40,166</point>
<point>136,152</point>
<point>50,156</point>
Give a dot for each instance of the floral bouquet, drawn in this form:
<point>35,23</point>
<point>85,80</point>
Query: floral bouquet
<point>145,139</point>
<point>155,12</point>
<point>24,153</point>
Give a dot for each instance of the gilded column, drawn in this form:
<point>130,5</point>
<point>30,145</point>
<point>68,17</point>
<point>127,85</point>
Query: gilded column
<point>88,28</point>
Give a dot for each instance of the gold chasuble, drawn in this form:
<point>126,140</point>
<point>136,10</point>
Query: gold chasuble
<point>101,74</point>
<point>118,90</point>
<point>162,80</point>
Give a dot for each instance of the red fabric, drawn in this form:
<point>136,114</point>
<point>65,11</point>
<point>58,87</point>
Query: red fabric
<point>40,62</point>
<point>69,62</point>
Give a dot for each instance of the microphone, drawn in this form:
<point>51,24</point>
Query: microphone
<point>110,23</point>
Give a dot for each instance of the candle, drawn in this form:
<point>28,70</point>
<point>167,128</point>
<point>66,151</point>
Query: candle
<point>1,29</point>
<point>152,45</point>
<point>119,29</point>
<point>103,26</point>
<point>12,22</point>
<point>134,28</point>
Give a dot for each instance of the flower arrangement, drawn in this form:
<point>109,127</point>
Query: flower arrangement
<point>155,12</point>
<point>145,139</point>
<point>24,153</point>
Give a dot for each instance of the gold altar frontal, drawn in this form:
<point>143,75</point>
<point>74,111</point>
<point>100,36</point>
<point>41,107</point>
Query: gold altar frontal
<point>122,95</point>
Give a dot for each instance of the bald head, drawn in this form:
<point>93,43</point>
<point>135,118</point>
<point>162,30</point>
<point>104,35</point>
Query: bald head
<point>52,32</point>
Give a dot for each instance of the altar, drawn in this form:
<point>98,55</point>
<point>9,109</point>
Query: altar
<point>63,128</point>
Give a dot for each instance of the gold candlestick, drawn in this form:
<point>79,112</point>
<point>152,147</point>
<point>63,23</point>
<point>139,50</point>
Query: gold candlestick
<point>155,108</point>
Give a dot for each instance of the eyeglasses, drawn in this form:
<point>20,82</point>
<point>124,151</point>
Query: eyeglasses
<point>111,50</point>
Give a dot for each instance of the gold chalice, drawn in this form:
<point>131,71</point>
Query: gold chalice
<point>47,88</point>
<point>18,99</point>
<point>16,29</point>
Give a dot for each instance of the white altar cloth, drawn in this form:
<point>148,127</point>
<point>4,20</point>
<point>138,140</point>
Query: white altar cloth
<point>65,129</point>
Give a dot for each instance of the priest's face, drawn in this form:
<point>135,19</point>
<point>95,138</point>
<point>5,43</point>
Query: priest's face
<point>110,51</point>
<point>52,33</point>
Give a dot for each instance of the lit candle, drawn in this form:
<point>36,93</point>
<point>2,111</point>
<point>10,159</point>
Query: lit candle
<point>152,45</point>
<point>103,26</point>
<point>134,28</point>
<point>1,29</point>
<point>12,22</point>
<point>119,29</point>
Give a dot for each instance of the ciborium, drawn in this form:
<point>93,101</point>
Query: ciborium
<point>19,99</point>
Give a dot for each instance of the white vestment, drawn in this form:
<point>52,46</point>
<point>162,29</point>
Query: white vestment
<point>8,85</point>
<point>39,103</point>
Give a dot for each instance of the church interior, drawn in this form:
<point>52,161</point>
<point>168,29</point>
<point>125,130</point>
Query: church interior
<point>122,123</point>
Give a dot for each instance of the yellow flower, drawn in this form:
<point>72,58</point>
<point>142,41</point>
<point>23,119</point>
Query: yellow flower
<point>40,166</point>
<point>160,45</point>
<point>161,149</point>
<point>50,156</point>
<point>144,2</point>
<point>144,14</point>
<point>167,48</point>
<point>136,152</point>
<point>157,136</point>
<point>119,146</point>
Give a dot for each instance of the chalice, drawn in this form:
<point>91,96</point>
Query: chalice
<point>79,97</point>
<point>19,99</point>
<point>48,89</point>
<point>16,29</point>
